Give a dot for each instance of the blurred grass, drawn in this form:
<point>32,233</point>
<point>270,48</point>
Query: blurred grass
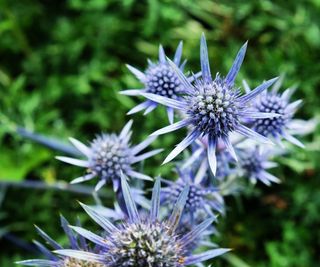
<point>63,62</point>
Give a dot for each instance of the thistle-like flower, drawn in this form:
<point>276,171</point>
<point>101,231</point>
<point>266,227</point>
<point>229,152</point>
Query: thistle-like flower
<point>201,198</point>
<point>159,79</point>
<point>254,163</point>
<point>214,108</point>
<point>108,155</point>
<point>143,241</point>
<point>273,101</point>
<point>52,259</point>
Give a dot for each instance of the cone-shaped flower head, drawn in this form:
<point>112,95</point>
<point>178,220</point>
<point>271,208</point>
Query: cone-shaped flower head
<point>146,241</point>
<point>201,198</point>
<point>54,260</point>
<point>214,108</point>
<point>108,155</point>
<point>254,164</point>
<point>273,101</point>
<point>159,79</point>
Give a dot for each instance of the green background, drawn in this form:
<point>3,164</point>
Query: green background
<point>62,64</point>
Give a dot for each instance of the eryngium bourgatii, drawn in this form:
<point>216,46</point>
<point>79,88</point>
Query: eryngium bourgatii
<point>146,241</point>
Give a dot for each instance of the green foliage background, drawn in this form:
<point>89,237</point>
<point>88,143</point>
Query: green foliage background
<point>62,64</point>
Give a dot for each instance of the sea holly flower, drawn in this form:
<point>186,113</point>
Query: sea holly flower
<point>214,108</point>
<point>108,155</point>
<point>144,241</point>
<point>54,260</point>
<point>254,164</point>
<point>273,101</point>
<point>159,79</point>
<point>201,198</point>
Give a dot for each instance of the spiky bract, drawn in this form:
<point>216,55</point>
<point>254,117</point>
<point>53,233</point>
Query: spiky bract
<point>53,260</point>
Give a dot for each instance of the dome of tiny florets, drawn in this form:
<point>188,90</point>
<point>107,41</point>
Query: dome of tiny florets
<point>162,80</point>
<point>255,163</point>
<point>72,262</point>
<point>271,126</point>
<point>195,197</point>
<point>251,164</point>
<point>110,156</point>
<point>213,108</point>
<point>144,244</point>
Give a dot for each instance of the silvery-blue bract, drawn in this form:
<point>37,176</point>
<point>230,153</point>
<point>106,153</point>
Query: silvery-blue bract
<point>144,241</point>
<point>213,108</point>
<point>108,155</point>
<point>198,161</point>
<point>76,242</point>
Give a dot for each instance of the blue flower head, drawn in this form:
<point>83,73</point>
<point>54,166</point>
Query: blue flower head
<point>148,241</point>
<point>159,79</point>
<point>53,260</point>
<point>108,155</point>
<point>214,108</point>
<point>254,164</point>
<point>273,101</point>
<point>201,199</point>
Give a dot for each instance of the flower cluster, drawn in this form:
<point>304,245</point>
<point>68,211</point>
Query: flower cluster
<point>230,133</point>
